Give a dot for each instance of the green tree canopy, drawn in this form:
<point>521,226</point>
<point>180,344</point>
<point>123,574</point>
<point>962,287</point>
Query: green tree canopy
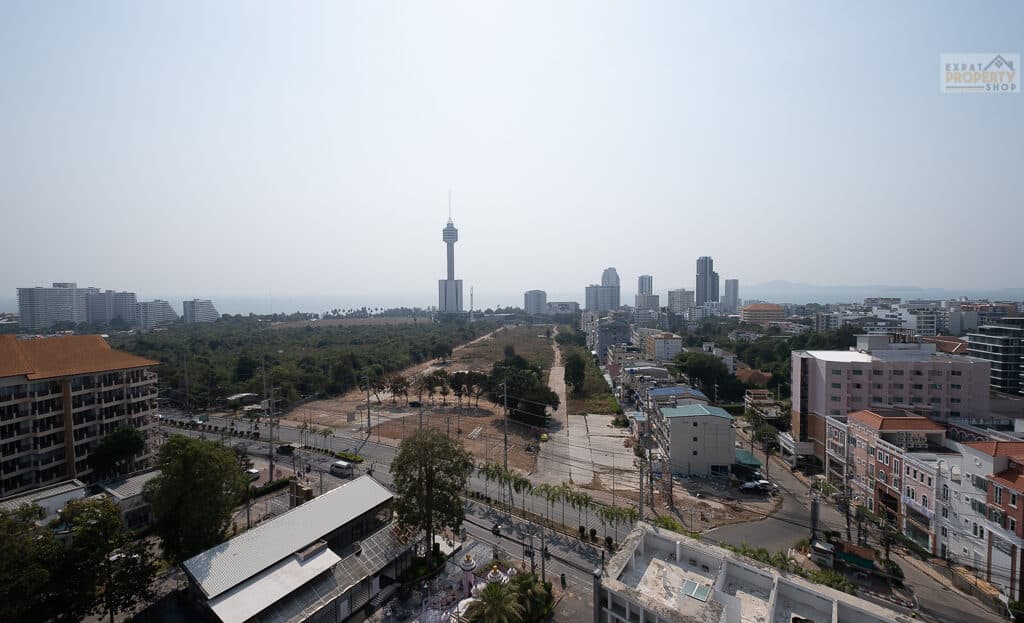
<point>575,371</point>
<point>110,572</point>
<point>199,486</point>
<point>30,568</point>
<point>116,450</point>
<point>528,393</point>
<point>430,473</point>
<point>496,603</point>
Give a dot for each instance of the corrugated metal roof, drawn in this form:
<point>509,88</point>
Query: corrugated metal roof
<point>694,411</point>
<point>675,391</point>
<point>229,564</point>
<point>245,601</point>
<point>15,502</point>
<point>124,488</point>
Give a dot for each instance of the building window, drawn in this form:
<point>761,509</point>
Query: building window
<point>694,453</point>
<point>944,531</point>
<point>945,492</point>
<point>945,513</point>
<point>917,386</point>
<point>935,386</point>
<point>836,372</point>
<point>955,401</point>
<point>858,372</point>
<point>834,412</point>
<point>1013,525</point>
<point>908,470</point>
<point>954,386</point>
<point>924,501</point>
<point>917,373</point>
<point>929,481</point>
<point>695,439</point>
<point>915,474</point>
<point>837,385</point>
<point>897,385</point>
<point>835,399</point>
<point>999,495</point>
<point>876,373</point>
<point>881,475</point>
<point>910,493</point>
<point>1013,500</point>
<point>897,372</point>
<point>695,424</point>
<point>955,373</point>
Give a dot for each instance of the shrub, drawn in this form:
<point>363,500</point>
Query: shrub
<point>609,542</point>
<point>351,457</point>
<point>668,523</point>
<point>593,534</point>
<point>270,487</point>
<point>583,532</point>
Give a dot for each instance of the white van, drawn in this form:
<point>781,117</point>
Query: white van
<point>342,469</point>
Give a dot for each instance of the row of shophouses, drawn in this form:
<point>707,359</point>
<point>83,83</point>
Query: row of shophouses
<point>954,489</point>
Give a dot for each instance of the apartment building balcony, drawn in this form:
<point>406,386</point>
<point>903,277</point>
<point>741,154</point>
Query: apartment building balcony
<point>10,398</point>
<point>999,531</point>
<point>925,515</point>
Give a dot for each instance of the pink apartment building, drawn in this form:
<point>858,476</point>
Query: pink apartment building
<point>884,374</point>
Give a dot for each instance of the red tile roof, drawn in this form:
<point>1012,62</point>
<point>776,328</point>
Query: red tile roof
<point>66,355</point>
<point>998,448</point>
<point>1011,478</point>
<point>881,422</point>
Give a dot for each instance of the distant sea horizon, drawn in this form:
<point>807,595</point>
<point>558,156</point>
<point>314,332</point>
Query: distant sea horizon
<point>772,292</point>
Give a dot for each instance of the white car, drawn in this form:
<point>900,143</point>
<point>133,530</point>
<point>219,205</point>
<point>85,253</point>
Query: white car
<point>253,473</point>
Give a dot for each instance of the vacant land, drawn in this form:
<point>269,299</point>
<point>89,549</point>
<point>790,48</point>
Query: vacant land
<point>596,396</point>
<point>531,342</point>
<point>478,424</point>
<point>353,322</point>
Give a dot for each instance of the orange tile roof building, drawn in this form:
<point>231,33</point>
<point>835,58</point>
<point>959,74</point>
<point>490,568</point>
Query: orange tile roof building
<point>762,313</point>
<point>59,396</point>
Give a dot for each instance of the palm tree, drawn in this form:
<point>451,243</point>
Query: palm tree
<point>521,484</point>
<point>496,603</point>
<point>564,494</point>
<point>581,501</point>
<point>328,434</point>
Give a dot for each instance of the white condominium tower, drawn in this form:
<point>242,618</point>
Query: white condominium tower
<point>199,310</point>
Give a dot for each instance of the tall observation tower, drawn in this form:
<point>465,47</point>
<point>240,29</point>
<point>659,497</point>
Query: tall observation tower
<point>449,291</point>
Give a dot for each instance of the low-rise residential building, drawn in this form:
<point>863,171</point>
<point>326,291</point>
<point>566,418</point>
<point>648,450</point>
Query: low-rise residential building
<point>695,438</point>
<point>59,396</point>
<point>763,403</point>
<point>50,499</point>
<point>127,495</point>
<point>562,307</point>
<point>672,396</point>
<point>320,561</point>
<point>762,313</point>
<point>663,346</point>
<point>658,575</point>
<point>612,329</point>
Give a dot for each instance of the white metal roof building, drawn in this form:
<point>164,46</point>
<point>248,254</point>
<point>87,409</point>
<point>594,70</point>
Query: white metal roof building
<point>336,542</point>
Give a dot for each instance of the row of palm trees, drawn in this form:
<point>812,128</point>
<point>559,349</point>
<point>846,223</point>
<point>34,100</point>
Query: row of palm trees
<point>564,493</point>
<point>462,385</point>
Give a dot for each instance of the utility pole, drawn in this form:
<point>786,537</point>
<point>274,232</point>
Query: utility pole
<point>369,422</point>
<point>543,557</point>
<point>640,507</point>
<point>504,391</point>
<point>848,498</point>
<point>814,518</point>
<point>268,411</point>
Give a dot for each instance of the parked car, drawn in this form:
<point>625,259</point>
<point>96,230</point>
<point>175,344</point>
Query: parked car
<point>342,469</point>
<point>757,485</point>
<point>253,473</point>
<point>416,404</point>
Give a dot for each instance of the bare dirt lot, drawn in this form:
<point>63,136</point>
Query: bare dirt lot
<point>481,424</point>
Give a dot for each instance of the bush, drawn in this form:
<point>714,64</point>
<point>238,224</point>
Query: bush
<point>892,569</point>
<point>349,456</point>
<point>593,534</point>
<point>668,523</point>
<point>583,533</point>
<point>270,487</point>
<point>609,542</point>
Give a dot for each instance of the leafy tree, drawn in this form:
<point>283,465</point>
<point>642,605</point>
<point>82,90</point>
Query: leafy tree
<point>528,393</point>
<point>116,449</point>
<point>702,368</point>
<point>193,497</point>
<point>575,371</point>
<point>496,603</point>
<point>533,595</point>
<point>430,473</point>
<point>111,572</point>
<point>30,568</point>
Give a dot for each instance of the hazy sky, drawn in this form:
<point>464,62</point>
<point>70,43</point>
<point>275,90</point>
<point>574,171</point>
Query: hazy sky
<point>221,148</point>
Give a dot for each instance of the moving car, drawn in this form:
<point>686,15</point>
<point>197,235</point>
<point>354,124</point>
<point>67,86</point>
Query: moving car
<point>757,485</point>
<point>342,469</point>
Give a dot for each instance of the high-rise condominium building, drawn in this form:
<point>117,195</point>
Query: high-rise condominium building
<point>40,308</point>
<point>535,302</point>
<point>1001,344</point>
<point>680,300</point>
<point>646,299</point>
<point>108,306</point>
<point>707,281</point>
<point>731,300</point>
<point>59,397</point>
<point>449,290</point>
<point>199,310</point>
<point>645,285</point>
<point>604,297</point>
<point>155,313</point>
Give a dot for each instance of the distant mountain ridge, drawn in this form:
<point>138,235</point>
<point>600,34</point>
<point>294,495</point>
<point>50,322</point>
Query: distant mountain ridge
<point>781,291</point>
